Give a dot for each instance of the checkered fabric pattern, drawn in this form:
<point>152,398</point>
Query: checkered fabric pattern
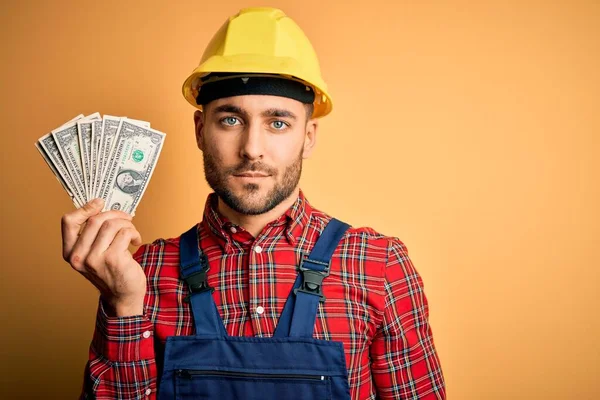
<point>375,305</point>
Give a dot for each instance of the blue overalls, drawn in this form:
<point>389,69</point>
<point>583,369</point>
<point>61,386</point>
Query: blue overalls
<point>290,366</point>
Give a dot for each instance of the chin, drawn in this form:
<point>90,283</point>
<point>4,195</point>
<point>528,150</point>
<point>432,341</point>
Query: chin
<point>253,189</point>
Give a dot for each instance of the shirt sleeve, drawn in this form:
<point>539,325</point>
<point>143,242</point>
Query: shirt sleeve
<point>405,364</point>
<point>121,361</point>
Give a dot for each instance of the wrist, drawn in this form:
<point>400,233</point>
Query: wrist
<point>122,308</point>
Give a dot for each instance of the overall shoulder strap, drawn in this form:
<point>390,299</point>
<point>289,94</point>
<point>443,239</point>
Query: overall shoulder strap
<point>194,267</point>
<point>300,310</point>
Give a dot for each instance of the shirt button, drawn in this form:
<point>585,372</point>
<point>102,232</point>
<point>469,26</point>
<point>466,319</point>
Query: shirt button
<point>258,249</point>
<point>146,334</point>
<point>148,392</point>
<point>260,309</point>
<point>233,230</point>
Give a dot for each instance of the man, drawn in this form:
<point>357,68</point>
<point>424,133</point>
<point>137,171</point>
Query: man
<point>267,297</point>
<point>129,181</point>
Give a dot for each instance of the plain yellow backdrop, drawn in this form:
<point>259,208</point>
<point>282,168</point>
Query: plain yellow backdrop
<point>467,129</point>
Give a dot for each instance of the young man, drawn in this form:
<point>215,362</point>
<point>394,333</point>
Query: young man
<point>266,297</point>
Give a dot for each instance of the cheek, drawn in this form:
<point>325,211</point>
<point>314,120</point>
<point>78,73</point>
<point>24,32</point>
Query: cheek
<point>223,152</point>
<point>285,152</point>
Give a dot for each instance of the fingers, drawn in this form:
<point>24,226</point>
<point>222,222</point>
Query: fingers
<point>109,261</point>
<point>95,239</point>
<point>119,248</point>
<point>125,237</point>
<point>108,232</point>
<point>93,226</point>
<point>71,224</point>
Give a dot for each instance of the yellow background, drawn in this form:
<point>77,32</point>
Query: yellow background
<point>468,129</point>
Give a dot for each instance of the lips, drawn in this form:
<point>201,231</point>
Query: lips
<point>252,175</point>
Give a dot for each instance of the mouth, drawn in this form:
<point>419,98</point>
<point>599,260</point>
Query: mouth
<point>251,175</point>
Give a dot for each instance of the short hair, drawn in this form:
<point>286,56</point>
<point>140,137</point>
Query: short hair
<point>310,108</point>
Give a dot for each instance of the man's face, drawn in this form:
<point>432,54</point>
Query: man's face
<point>253,149</point>
<point>127,179</point>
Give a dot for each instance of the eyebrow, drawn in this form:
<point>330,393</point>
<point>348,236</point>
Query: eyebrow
<point>277,112</point>
<point>229,108</point>
<point>271,112</point>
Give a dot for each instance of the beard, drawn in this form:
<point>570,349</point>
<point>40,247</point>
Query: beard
<point>249,202</point>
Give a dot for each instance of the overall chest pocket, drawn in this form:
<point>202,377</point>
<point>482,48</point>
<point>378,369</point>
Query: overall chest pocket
<point>206,384</point>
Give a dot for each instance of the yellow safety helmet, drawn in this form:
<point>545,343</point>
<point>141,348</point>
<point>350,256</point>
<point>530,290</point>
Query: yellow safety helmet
<point>261,40</point>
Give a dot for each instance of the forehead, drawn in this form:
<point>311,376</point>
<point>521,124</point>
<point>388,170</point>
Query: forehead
<point>257,104</point>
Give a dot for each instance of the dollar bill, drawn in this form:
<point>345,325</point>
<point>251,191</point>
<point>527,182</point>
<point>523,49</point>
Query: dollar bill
<point>68,146</point>
<point>113,157</point>
<point>95,144</point>
<point>132,162</point>
<point>138,122</point>
<point>49,152</point>
<point>106,146</point>
<point>84,135</point>
<point>57,174</point>
<point>67,141</point>
<point>74,119</point>
<point>52,153</point>
<point>110,126</point>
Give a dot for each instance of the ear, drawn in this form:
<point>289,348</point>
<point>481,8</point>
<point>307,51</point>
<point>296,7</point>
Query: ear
<point>199,125</point>
<point>310,138</point>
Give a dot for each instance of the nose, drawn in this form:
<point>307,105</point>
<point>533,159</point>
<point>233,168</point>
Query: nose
<point>252,146</point>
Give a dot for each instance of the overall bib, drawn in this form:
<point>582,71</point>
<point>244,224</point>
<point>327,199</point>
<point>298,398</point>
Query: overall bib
<point>291,365</point>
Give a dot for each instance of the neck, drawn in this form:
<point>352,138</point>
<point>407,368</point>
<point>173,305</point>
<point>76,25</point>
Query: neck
<point>254,224</point>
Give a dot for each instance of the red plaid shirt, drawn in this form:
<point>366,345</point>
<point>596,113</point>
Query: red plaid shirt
<point>375,306</point>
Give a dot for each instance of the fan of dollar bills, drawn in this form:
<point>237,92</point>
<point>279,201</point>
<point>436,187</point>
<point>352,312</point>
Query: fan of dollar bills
<point>112,158</point>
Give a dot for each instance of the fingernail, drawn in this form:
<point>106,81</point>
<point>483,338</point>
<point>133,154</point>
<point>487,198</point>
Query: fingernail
<point>97,202</point>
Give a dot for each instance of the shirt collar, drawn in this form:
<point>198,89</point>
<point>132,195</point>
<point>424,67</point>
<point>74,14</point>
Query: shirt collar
<point>294,220</point>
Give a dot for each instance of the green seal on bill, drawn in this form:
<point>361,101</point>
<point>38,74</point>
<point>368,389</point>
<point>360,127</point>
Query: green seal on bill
<point>138,155</point>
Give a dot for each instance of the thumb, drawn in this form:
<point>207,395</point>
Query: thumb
<point>88,210</point>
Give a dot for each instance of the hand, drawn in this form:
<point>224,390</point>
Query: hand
<point>101,254</point>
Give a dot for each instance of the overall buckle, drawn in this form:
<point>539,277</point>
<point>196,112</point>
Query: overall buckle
<point>312,281</point>
<point>198,281</point>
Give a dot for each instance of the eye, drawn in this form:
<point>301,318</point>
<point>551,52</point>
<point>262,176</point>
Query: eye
<point>230,121</point>
<point>279,125</point>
